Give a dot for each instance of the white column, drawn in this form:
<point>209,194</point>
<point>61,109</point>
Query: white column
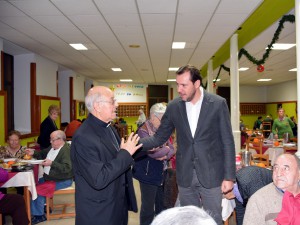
<point>210,78</point>
<point>1,49</point>
<point>297,22</point>
<point>235,92</point>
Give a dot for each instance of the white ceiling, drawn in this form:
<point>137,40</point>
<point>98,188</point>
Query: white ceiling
<point>108,27</point>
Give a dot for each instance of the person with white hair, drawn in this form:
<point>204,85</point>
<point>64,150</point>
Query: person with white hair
<point>186,215</point>
<point>141,119</point>
<point>150,168</point>
<point>102,164</point>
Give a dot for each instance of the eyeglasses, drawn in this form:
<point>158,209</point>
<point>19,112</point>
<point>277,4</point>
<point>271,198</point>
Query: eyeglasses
<point>113,102</point>
<point>52,140</point>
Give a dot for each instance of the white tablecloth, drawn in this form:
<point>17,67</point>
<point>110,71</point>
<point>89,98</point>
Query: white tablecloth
<point>227,208</point>
<point>23,179</point>
<point>273,153</point>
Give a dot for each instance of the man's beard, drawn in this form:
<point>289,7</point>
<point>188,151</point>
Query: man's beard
<point>190,98</point>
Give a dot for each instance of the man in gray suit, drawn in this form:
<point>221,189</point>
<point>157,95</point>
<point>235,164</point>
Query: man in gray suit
<point>205,158</point>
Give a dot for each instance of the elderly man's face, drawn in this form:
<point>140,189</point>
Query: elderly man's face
<point>286,174</point>
<point>107,107</point>
<point>55,141</point>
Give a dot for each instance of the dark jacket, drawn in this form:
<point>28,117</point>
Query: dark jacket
<point>46,128</point>
<point>103,178</point>
<point>147,169</point>
<point>61,168</point>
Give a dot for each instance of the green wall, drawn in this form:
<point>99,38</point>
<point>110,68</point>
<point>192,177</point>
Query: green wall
<point>45,103</point>
<point>2,134</point>
<point>271,109</point>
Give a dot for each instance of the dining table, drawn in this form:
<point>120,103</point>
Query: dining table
<point>23,179</point>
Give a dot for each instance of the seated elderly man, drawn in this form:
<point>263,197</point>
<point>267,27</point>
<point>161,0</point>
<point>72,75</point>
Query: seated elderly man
<point>264,205</point>
<point>248,180</point>
<point>57,171</point>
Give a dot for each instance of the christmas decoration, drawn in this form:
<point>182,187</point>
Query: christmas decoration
<point>260,62</point>
<point>260,68</point>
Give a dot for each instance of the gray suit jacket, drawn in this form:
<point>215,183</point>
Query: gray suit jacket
<point>211,152</point>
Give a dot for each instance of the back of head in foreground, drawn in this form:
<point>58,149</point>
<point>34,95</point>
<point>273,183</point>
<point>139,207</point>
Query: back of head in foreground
<point>187,215</point>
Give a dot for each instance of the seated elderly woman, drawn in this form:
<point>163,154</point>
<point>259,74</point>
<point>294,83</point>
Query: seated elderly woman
<point>190,215</point>
<point>150,167</point>
<point>57,172</point>
<point>13,150</point>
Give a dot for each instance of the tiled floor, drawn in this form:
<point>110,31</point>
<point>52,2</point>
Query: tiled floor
<point>133,217</point>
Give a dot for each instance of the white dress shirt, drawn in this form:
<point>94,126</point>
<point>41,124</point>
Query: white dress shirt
<point>51,155</point>
<point>193,112</point>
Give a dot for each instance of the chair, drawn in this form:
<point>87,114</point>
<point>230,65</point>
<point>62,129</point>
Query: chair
<point>63,214</point>
<point>226,222</point>
<point>262,159</point>
<point>123,131</point>
<point>266,128</point>
<point>255,143</point>
<point>290,150</point>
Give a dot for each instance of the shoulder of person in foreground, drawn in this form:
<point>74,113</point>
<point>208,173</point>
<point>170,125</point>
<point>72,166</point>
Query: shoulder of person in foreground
<point>191,215</point>
<point>262,205</point>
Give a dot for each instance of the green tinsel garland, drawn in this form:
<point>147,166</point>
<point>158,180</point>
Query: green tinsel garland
<point>285,18</point>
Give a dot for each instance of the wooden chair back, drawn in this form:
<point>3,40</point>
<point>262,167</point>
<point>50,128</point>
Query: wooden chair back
<point>262,159</point>
<point>266,128</point>
<point>290,150</point>
<point>255,143</point>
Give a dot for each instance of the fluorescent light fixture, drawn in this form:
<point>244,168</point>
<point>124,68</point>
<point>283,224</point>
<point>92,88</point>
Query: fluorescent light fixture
<point>116,69</point>
<point>125,80</point>
<point>214,80</point>
<point>243,68</point>
<point>178,45</point>
<point>293,70</point>
<point>282,46</point>
<point>173,68</point>
<point>264,80</point>
<point>79,46</point>
<point>171,80</point>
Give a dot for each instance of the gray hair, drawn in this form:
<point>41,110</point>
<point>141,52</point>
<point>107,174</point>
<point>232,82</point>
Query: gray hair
<point>60,134</point>
<point>90,99</point>
<point>293,155</point>
<point>190,215</point>
<point>158,109</point>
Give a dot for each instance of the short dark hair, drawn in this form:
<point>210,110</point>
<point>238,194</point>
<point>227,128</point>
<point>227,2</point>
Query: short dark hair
<point>14,132</point>
<point>195,73</point>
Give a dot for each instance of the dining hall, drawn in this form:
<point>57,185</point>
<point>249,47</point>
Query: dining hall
<point>135,55</point>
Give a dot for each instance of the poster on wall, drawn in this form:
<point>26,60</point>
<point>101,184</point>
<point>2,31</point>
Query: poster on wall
<point>81,109</point>
<point>129,92</point>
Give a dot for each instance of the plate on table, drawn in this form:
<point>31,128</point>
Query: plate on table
<point>9,159</point>
<point>34,161</point>
<point>289,145</point>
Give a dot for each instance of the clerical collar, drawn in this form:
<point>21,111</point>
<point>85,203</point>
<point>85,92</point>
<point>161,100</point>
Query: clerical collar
<point>99,122</point>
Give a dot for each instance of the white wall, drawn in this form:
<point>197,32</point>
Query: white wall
<point>286,91</point>
<point>64,94</point>
<point>88,84</point>
<point>78,85</point>
<point>128,92</point>
<point>253,94</point>
<point>22,116</point>
<point>45,77</point>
